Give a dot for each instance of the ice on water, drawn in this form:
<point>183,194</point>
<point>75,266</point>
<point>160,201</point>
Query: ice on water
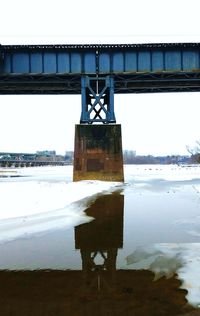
<point>40,202</point>
<point>166,260</point>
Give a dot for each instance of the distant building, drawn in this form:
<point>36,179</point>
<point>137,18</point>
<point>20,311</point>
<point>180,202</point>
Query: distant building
<point>69,156</point>
<point>47,153</point>
<point>128,156</point>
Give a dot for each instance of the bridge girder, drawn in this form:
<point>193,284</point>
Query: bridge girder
<point>128,68</point>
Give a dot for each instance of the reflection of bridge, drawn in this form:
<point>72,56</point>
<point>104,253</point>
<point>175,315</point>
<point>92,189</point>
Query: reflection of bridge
<point>97,72</point>
<point>100,288</point>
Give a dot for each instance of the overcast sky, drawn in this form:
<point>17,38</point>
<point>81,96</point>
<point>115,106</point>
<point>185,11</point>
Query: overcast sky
<point>156,124</point>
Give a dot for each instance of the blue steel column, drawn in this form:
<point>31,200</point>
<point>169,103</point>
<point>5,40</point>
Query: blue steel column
<point>84,112</point>
<point>97,100</point>
<point>112,118</point>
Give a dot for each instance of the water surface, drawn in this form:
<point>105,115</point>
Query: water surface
<point>100,248</point>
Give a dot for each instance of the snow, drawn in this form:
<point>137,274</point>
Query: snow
<point>166,260</point>
<point>43,201</point>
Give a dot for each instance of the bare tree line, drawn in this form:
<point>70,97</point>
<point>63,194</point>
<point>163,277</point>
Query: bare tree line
<point>195,151</point>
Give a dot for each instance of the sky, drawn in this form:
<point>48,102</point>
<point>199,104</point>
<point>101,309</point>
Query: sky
<point>157,124</point>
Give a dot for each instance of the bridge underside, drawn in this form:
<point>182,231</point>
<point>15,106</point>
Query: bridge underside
<point>123,83</point>
<point>135,68</point>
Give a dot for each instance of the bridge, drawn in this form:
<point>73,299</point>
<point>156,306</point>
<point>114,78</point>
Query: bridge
<point>8,159</point>
<point>97,72</point>
<point>30,163</point>
<point>58,69</point>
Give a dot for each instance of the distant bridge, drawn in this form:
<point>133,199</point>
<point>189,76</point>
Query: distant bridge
<point>29,160</point>
<point>30,163</point>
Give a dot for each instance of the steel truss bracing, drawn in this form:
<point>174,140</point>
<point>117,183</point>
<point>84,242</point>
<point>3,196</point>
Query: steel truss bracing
<point>161,82</point>
<point>40,84</point>
<point>125,83</point>
<point>97,100</point>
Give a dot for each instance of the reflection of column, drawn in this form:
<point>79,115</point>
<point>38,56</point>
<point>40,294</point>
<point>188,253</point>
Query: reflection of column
<point>99,241</point>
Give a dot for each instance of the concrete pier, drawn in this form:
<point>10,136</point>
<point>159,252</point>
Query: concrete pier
<point>98,153</point>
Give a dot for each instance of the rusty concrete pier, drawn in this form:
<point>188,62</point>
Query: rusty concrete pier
<point>98,152</point>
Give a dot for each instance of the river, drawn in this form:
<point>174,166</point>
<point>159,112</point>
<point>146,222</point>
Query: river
<point>100,231</point>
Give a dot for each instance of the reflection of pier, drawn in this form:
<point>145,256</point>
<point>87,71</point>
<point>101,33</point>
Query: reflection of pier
<point>99,289</point>
<point>99,242</point>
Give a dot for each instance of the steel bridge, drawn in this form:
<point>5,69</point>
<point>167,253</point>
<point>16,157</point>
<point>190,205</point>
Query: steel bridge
<point>97,72</point>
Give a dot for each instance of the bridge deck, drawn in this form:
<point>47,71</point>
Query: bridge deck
<point>57,69</point>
